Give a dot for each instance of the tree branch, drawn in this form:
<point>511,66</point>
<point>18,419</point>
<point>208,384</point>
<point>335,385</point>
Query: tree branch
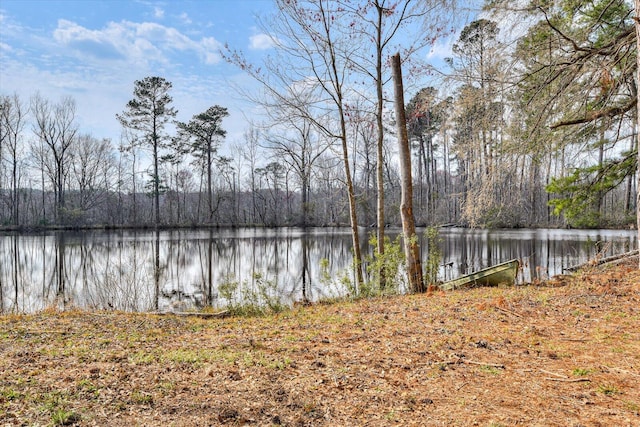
<point>594,115</point>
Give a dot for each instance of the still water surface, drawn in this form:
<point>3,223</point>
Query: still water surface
<point>190,269</point>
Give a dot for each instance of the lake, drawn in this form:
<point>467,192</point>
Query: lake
<point>192,269</point>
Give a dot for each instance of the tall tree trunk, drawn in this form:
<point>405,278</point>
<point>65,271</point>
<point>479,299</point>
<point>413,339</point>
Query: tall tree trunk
<point>353,208</point>
<point>433,182</point>
<point>135,189</point>
<point>600,194</point>
<point>355,234</point>
<point>156,269</point>
<point>447,175</point>
<point>420,179</point>
<point>156,178</point>
<point>305,199</point>
<point>637,18</point>
<point>547,208</point>
<point>423,169</point>
<point>44,208</point>
<point>14,184</point>
<point>627,202</point>
<point>209,189</point>
<point>380,148</point>
<point>411,247</point>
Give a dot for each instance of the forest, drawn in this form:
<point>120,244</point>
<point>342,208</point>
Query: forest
<point>532,121</point>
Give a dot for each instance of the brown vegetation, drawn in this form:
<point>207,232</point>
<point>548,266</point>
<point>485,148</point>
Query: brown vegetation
<point>561,353</point>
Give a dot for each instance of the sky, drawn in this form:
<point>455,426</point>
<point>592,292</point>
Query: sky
<point>95,50</point>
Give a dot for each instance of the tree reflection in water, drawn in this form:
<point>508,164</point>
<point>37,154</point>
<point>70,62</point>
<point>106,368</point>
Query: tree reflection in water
<point>183,269</point>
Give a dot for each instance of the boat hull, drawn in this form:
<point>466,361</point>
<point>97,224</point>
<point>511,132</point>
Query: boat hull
<point>499,274</point>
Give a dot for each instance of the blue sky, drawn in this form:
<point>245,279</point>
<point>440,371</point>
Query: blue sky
<point>95,50</point>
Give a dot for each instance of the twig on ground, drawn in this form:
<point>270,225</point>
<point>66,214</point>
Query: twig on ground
<point>471,362</point>
<point>553,373</point>
<point>44,331</point>
<point>568,380</point>
<point>513,313</point>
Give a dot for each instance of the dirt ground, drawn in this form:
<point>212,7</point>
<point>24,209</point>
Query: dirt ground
<point>560,353</point>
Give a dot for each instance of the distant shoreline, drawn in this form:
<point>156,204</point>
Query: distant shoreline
<point>165,227</point>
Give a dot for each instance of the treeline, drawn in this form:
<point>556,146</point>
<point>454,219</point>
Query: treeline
<point>54,175</point>
<point>535,130</point>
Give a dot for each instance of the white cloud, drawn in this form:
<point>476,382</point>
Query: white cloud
<point>210,48</point>
<point>158,13</point>
<point>97,64</point>
<point>184,17</point>
<point>131,41</point>
<point>441,49</point>
<point>142,50</point>
<point>97,43</point>
<point>165,36</point>
<point>261,42</point>
<point>11,28</point>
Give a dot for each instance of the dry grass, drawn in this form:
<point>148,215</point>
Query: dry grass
<point>564,353</point>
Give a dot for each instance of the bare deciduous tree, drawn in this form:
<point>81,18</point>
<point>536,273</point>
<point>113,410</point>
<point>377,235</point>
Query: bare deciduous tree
<point>56,129</point>
<point>297,144</point>
<point>12,123</point>
<point>637,22</point>
<point>93,165</point>
<point>383,22</point>
<point>311,77</point>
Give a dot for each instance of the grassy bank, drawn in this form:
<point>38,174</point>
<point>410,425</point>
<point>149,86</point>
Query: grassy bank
<point>565,352</point>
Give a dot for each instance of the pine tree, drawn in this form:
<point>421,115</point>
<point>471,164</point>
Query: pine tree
<point>201,137</point>
<point>148,113</point>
